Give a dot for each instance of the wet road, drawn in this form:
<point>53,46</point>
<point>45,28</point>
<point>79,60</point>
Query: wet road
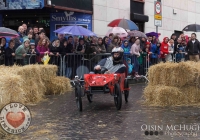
<point>57,118</point>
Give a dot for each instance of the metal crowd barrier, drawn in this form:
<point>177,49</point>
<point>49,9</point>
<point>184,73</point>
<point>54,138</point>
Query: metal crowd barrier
<point>57,60</point>
<point>75,64</point>
<point>31,59</point>
<point>54,60</point>
<point>181,56</point>
<point>80,64</point>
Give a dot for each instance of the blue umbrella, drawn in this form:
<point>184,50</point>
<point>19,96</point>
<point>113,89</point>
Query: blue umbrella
<point>75,30</point>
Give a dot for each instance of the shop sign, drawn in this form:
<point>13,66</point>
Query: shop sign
<point>58,20</point>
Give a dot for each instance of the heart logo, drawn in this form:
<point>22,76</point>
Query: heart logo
<point>15,119</point>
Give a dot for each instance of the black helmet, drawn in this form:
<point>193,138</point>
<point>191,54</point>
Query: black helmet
<point>117,50</point>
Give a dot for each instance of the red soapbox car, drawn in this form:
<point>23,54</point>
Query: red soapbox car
<point>115,84</point>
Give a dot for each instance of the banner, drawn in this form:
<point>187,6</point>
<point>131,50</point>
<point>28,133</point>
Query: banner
<point>58,20</point>
<point>21,4</point>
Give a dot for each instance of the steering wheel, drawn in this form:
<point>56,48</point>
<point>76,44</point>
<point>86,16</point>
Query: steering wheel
<point>103,69</point>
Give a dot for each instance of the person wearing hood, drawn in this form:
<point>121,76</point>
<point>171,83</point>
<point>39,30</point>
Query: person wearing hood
<point>21,52</point>
<point>34,52</point>
<point>2,50</point>
<point>164,49</point>
<point>135,52</point>
<point>130,66</point>
<point>113,44</point>
<point>126,49</point>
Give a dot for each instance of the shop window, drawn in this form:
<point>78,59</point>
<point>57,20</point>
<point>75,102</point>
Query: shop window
<point>137,7</point>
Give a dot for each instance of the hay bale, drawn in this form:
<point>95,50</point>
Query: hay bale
<point>10,91</point>
<point>58,85</point>
<point>173,84</point>
<point>28,84</point>
<point>160,95</point>
<point>175,74</point>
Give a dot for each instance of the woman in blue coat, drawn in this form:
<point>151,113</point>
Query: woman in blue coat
<point>125,46</point>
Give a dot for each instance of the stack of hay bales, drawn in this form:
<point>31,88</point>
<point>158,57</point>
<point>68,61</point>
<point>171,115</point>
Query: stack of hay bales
<point>29,84</point>
<point>173,84</point>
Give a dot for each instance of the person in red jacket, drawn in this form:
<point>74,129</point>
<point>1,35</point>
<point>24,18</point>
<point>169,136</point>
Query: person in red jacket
<point>164,48</point>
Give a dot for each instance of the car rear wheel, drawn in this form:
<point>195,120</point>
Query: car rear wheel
<point>126,92</point>
<point>78,95</point>
<point>117,97</point>
<point>89,96</point>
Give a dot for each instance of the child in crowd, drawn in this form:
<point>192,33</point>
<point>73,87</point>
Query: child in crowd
<point>34,52</point>
<point>30,37</point>
<point>43,49</point>
<point>10,54</point>
<point>130,66</point>
<point>180,56</point>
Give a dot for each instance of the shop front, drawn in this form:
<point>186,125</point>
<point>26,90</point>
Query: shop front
<point>42,13</point>
<point>60,19</point>
<point>16,12</point>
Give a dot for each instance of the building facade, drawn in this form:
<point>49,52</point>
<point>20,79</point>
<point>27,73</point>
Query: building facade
<point>104,11</point>
<point>176,14</point>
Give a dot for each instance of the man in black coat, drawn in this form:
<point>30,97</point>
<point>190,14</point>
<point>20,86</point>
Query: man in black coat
<point>193,48</point>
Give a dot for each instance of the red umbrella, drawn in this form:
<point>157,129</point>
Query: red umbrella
<point>124,23</point>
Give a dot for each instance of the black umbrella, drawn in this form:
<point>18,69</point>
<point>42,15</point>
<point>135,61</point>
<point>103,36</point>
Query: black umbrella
<point>192,27</point>
<point>6,32</point>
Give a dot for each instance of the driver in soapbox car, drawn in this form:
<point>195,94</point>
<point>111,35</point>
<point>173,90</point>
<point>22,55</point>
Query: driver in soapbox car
<point>109,78</point>
<point>112,64</point>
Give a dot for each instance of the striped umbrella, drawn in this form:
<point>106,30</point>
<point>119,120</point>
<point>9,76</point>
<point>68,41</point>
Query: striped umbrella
<point>124,23</point>
<point>6,32</point>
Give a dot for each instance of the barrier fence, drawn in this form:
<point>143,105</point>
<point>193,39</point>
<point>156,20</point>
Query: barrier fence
<point>73,64</point>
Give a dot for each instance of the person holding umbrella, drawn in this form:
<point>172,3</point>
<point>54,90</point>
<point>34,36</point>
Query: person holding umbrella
<point>193,48</point>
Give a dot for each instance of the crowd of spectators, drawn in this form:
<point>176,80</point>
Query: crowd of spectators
<point>138,52</point>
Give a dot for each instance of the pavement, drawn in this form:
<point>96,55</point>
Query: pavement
<point>57,118</point>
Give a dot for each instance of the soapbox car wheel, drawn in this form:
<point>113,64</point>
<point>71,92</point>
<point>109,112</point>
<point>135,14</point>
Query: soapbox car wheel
<point>89,97</point>
<point>117,97</point>
<point>78,95</point>
<point>126,92</point>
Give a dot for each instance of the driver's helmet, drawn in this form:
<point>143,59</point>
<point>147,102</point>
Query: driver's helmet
<point>117,50</point>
